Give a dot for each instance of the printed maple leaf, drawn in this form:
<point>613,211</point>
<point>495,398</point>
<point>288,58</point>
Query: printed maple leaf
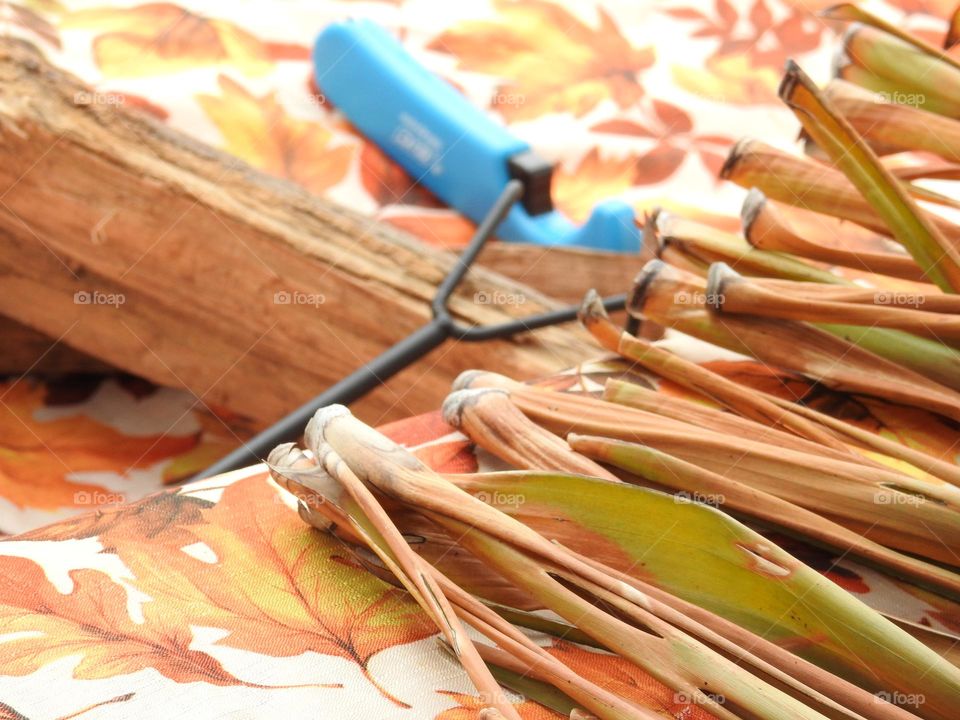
<point>165,516</point>
<point>746,64</point>
<point>390,184</point>
<point>220,431</point>
<point>628,681</point>
<point>36,456</point>
<point>550,60</point>
<point>594,179</point>
<point>259,130</point>
<point>277,587</point>
<point>469,706</point>
<point>8,713</point>
<point>91,622</point>
<point>159,38</point>
<point>440,228</point>
<point>32,18</point>
<point>913,427</point>
<point>673,129</point>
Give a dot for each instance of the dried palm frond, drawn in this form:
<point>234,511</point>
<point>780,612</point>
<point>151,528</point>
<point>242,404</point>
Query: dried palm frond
<point>631,522</point>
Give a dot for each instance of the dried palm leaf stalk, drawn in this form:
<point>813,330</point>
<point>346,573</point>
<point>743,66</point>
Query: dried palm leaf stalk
<point>798,181</point>
<point>743,500</point>
<point>895,128</point>
<point>709,245</point>
<point>935,466</point>
<point>736,294</point>
<point>865,497</point>
<point>909,224</point>
<point>953,31</point>
<point>496,425</point>
<point>688,649</point>
<point>848,71</point>
<point>935,360</point>
<point>854,13</point>
<point>931,301</point>
<point>765,228</point>
<point>632,522</point>
<point>811,185</point>
<point>696,378</point>
<point>823,357</point>
<point>905,66</point>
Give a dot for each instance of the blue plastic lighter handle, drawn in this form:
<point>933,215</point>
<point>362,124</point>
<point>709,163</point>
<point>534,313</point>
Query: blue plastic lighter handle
<point>441,140</point>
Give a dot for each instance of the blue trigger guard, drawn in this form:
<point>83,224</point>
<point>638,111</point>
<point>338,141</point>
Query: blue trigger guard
<point>449,146</point>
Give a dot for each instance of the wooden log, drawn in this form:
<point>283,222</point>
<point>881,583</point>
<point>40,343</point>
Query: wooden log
<point>24,350</point>
<point>171,260</point>
<point>563,273</point>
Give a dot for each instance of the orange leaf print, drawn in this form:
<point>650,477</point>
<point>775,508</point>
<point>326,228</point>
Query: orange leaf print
<point>221,431</point>
<point>259,130</point>
<point>625,679</point>
<point>388,183</point>
<point>594,179</point>
<point>32,19</point>
<point>552,60</point>
<point>276,586</point>
<point>745,65</point>
<point>730,79</point>
<point>470,706</point>
<point>162,38</point>
<point>8,713</point>
<point>38,456</point>
<point>912,427</point>
<point>440,228</point>
<point>90,621</point>
<point>164,517</point>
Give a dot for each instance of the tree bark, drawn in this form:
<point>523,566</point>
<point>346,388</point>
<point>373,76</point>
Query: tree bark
<point>159,255</point>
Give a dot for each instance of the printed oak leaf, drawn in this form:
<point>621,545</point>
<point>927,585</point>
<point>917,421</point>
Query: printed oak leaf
<point>277,587</point>
<point>32,18</point>
<point>551,60</point>
<point>594,179</point>
<point>91,622</point>
<point>390,184</point>
<point>8,713</point>
<point>913,427</point>
<point>37,455</point>
<point>623,678</point>
<point>259,130</point>
<point>163,517</point>
<point>163,38</point>
<point>730,79</point>
<point>745,64</point>
<point>220,431</point>
<point>440,228</point>
<point>469,706</point>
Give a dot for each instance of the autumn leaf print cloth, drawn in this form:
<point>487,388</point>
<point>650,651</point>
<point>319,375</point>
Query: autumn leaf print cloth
<point>122,599</point>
